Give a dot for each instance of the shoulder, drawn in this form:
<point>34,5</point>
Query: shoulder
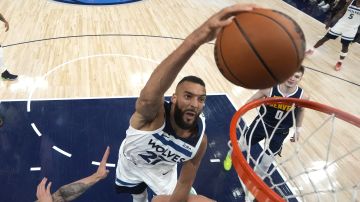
<point>305,95</point>
<point>260,94</point>
<point>266,92</point>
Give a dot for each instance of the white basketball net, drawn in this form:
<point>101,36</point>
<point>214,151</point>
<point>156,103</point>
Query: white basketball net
<point>324,165</point>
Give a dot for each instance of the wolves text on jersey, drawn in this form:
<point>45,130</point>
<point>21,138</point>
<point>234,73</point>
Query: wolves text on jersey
<point>160,154</point>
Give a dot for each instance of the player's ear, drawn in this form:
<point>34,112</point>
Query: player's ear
<point>173,98</point>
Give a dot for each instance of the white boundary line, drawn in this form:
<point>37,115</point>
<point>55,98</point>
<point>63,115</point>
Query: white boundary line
<point>35,169</point>
<point>94,98</point>
<point>78,59</point>
<point>35,129</point>
<point>113,165</point>
<point>62,151</point>
<point>215,160</point>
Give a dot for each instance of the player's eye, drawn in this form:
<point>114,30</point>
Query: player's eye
<point>202,99</point>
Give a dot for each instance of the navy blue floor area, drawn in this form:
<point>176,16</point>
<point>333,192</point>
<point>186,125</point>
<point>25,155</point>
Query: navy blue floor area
<point>97,2</point>
<point>84,128</point>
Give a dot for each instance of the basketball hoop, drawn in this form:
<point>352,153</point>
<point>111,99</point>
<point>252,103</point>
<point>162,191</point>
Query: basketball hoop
<point>262,191</point>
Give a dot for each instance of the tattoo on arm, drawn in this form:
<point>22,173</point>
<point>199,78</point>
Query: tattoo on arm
<point>70,192</point>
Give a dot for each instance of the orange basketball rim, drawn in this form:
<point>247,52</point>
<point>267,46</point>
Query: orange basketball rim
<point>253,183</point>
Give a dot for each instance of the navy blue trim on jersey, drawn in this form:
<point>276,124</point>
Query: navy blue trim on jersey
<point>172,144</point>
<point>334,33</point>
<point>354,8</point>
<point>347,38</point>
<point>125,183</point>
<point>138,189</point>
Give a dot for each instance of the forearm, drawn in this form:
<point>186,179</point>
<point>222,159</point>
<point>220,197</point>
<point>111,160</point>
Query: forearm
<point>166,72</point>
<point>188,174</point>
<point>181,192</point>
<point>185,181</point>
<point>71,191</point>
<point>340,10</point>
<point>300,118</point>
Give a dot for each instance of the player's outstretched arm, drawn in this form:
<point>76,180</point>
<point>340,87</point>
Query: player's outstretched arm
<point>151,96</point>
<point>73,190</point>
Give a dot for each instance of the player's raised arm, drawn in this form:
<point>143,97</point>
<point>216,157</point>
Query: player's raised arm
<point>188,174</point>
<point>259,94</point>
<point>73,190</point>
<point>150,101</point>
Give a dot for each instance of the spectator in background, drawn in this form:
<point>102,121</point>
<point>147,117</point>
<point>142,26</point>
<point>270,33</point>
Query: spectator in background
<point>6,75</point>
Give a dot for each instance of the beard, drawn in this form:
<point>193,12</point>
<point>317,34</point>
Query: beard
<point>179,118</point>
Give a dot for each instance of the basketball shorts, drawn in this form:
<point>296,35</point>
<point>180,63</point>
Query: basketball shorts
<point>134,179</point>
<point>256,133</point>
<point>346,32</point>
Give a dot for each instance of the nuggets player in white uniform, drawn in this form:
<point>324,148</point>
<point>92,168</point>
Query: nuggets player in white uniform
<point>347,24</point>
<point>161,135</point>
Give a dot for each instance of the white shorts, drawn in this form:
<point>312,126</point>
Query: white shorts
<point>158,179</point>
<point>344,30</point>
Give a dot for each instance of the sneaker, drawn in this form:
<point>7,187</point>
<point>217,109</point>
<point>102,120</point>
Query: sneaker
<point>338,66</point>
<point>7,76</point>
<point>227,163</point>
<point>321,3</point>
<point>325,7</point>
<point>309,52</point>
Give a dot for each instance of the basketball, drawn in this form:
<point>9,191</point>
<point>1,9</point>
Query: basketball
<point>259,49</point>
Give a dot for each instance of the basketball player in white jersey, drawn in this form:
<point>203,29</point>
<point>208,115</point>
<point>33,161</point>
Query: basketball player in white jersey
<point>162,134</point>
<point>346,24</point>
<point>273,114</point>
<point>6,75</point>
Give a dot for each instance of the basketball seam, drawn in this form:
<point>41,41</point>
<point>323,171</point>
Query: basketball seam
<point>226,66</point>
<point>255,51</point>
<point>289,35</point>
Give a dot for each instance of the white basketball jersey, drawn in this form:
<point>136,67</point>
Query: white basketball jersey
<point>352,16</point>
<point>162,146</point>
